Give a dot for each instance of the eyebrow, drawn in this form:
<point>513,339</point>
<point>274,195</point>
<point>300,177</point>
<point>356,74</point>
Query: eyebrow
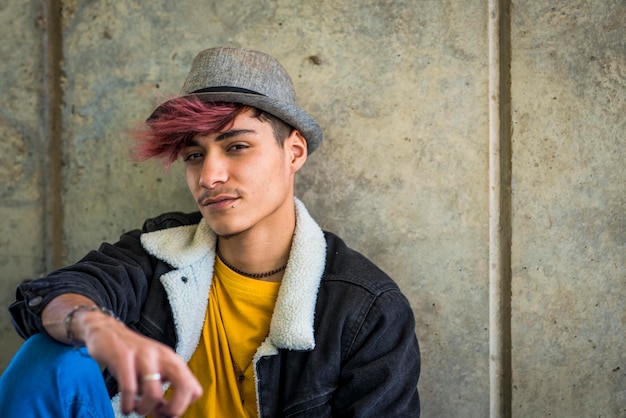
<point>223,136</point>
<point>233,133</point>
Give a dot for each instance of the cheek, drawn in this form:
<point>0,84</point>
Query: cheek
<point>276,181</point>
<point>191,178</point>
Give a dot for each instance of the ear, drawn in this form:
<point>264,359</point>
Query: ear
<point>297,151</point>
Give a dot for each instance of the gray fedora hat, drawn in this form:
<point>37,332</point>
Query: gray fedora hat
<point>251,78</point>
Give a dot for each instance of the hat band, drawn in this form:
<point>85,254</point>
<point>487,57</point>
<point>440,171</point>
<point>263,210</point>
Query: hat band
<point>226,89</point>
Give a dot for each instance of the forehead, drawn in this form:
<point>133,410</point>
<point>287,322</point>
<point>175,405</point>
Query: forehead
<point>247,123</point>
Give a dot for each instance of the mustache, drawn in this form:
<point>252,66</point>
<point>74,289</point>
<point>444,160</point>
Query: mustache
<point>212,194</point>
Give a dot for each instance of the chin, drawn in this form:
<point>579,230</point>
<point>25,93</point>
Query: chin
<point>223,230</point>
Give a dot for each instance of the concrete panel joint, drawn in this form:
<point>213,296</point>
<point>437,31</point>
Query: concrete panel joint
<point>500,209</point>
<point>53,210</point>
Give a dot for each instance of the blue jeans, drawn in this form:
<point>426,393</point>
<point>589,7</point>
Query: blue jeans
<point>50,379</point>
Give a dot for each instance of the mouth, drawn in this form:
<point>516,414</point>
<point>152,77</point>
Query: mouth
<point>218,202</point>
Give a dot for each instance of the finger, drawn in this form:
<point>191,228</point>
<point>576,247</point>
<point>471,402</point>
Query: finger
<point>128,391</point>
<point>151,394</point>
<point>127,385</point>
<point>186,391</point>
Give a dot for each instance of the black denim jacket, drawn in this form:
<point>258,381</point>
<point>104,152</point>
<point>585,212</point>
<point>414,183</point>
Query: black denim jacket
<point>365,362</point>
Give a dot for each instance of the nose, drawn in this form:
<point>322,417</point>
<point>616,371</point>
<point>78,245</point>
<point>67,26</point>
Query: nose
<point>214,171</point>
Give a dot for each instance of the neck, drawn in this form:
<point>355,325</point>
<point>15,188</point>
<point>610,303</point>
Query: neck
<point>260,252</point>
<point>260,276</point>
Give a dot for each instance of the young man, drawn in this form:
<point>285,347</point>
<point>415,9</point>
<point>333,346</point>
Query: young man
<point>246,308</point>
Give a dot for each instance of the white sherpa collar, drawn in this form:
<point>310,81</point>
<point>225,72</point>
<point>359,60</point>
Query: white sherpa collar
<point>181,246</point>
<point>292,321</point>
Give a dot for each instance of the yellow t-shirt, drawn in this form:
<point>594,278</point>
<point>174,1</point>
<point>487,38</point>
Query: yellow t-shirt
<point>236,323</point>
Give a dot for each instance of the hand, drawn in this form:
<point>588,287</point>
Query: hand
<point>129,356</point>
<point>134,360</point>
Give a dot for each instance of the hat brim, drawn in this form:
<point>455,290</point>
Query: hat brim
<point>288,113</point>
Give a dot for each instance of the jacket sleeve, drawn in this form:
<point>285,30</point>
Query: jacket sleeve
<point>116,276</point>
<point>379,377</point>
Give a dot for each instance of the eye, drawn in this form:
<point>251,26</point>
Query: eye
<point>237,147</point>
<point>191,156</point>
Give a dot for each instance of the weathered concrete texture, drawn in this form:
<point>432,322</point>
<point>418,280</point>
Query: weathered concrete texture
<point>114,60</point>
<point>569,230</point>
<point>400,88</point>
<point>399,176</point>
<point>21,157</point>
<point>402,180</point>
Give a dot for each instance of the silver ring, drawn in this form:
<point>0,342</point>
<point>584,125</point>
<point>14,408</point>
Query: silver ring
<point>150,377</point>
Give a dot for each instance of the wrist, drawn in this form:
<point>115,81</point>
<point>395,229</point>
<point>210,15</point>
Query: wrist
<point>71,319</point>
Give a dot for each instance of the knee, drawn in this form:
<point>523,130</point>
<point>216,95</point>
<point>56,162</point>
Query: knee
<point>43,357</point>
<point>48,376</point>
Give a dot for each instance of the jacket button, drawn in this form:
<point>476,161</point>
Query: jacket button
<point>35,301</point>
<point>184,279</point>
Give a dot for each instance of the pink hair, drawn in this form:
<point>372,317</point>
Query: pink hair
<point>178,121</point>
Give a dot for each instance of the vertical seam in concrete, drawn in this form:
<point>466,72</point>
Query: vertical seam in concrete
<point>53,210</point>
<point>500,369</point>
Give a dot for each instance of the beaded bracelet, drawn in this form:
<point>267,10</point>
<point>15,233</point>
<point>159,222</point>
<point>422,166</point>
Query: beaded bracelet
<point>70,317</point>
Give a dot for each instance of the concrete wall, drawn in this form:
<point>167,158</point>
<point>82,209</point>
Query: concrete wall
<point>569,200</point>
<point>22,157</point>
<point>401,89</point>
